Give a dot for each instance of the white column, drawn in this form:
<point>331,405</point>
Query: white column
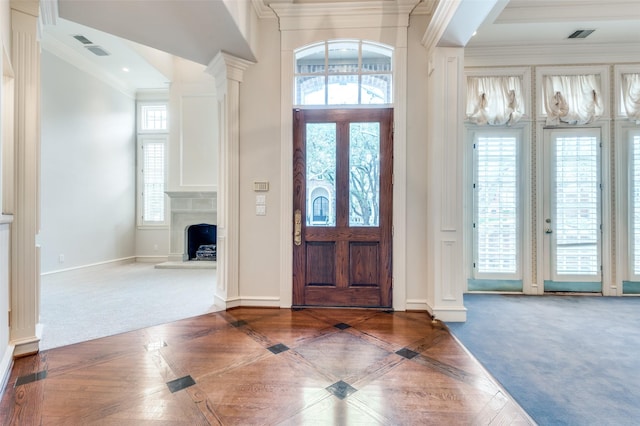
<point>228,72</point>
<point>444,163</point>
<point>25,277</point>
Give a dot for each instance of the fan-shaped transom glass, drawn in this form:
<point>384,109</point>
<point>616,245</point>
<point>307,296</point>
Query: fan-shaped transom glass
<point>343,72</point>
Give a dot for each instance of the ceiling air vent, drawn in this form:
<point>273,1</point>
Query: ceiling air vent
<point>82,39</point>
<point>581,34</point>
<point>97,50</point>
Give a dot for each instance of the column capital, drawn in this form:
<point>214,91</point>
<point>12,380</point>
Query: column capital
<point>224,67</point>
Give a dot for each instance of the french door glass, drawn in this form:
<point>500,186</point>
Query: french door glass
<point>574,222</point>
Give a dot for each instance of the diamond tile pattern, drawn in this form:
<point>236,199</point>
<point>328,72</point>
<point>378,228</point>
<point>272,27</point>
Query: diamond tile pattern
<point>333,366</point>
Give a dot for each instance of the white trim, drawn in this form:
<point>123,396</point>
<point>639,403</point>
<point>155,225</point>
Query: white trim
<point>5,367</point>
<point>561,53</point>
<point>151,259</point>
<point>416,305</point>
<point>448,314</point>
<point>122,260</point>
<point>260,301</point>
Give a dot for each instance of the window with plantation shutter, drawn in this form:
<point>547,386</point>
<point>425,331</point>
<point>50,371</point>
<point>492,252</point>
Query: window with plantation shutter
<point>153,134</point>
<point>635,201</point>
<point>153,175</point>
<point>577,204</point>
<point>496,212</point>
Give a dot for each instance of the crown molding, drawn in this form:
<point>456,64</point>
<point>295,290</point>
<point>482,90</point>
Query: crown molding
<point>69,55</point>
<point>262,10</point>
<point>551,54</point>
<point>567,10</point>
<point>442,16</point>
<point>363,14</point>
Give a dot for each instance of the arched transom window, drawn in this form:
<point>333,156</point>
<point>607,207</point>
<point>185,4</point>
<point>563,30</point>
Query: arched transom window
<point>343,72</point>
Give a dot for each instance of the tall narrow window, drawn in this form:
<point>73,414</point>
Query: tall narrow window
<point>496,213</point>
<point>635,201</point>
<point>152,146</point>
<point>153,176</point>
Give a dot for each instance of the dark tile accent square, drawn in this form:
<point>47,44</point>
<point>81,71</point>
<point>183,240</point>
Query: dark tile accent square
<point>239,323</point>
<point>276,349</point>
<point>181,383</point>
<point>342,326</point>
<point>23,380</point>
<point>341,389</point>
<point>407,353</point>
<point>154,346</point>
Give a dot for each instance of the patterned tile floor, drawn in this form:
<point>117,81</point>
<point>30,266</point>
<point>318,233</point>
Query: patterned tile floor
<point>253,366</point>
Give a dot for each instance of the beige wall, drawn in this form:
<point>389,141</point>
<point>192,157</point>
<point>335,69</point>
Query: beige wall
<point>260,138</point>
<point>416,160</point>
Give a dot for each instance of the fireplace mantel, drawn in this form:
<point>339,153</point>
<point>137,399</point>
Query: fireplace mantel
<point>189,208</point>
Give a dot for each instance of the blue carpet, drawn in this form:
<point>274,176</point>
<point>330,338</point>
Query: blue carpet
<point>567,360</point>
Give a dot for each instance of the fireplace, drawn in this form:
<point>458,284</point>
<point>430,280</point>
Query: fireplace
<point>189,208</point>
<point>201,242</point>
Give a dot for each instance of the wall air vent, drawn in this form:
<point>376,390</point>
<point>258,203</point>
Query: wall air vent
<point>97,50</point>
<point>82,39</point>
<point>581,34</point>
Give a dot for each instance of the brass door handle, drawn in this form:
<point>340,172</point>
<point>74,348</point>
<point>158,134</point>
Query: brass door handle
<point>297,227</point>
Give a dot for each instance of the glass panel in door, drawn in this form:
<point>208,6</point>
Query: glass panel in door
<point>574,223</point>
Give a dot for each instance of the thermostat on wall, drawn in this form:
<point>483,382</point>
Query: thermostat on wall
<point>260,186</point>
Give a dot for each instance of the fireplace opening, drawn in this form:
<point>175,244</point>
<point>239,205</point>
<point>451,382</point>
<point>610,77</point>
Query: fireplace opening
<point>201,242</point>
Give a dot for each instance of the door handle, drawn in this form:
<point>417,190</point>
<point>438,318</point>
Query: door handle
<point>297,227</point>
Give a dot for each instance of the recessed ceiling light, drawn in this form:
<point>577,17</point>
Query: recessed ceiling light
<point>125,69</point>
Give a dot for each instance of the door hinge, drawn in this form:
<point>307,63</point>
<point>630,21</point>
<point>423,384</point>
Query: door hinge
<point>393,230</point>
<point>474,265</point>
<point>474,226</point>
<point>9,320</point>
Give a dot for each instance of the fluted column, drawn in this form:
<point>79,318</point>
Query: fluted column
<point>228,71</point>
<point>25,277</point>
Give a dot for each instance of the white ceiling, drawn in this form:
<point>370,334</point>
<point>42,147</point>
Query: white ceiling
<point>545,23</point>
<point>197,30</point>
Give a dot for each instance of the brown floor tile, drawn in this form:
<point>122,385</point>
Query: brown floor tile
<point>262,366</point>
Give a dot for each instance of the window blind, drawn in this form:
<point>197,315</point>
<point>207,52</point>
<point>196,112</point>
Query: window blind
<point>496,201</point>
<point>153,175</point>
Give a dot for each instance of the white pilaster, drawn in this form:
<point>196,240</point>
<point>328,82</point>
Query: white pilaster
<point>25,280</point>
<point>444,163</point>
<point>228,72</point>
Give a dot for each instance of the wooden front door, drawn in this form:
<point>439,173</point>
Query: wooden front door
<point>342,200</point>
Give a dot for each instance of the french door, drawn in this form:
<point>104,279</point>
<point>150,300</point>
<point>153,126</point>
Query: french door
<point>342,181</point>
<point>572,211</point>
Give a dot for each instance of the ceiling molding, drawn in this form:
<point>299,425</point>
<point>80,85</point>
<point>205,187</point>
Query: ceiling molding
<point>560,54</point>
<point>376,13</point>
<point>425,7</point>
<point>441,17</point>
<point>567,11</point>
<point>262,10</point>
<point>69,55</point>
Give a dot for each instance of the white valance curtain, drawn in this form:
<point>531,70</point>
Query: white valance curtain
<point>631,96</point>
<point>495,100</point>
<point>572,99</point>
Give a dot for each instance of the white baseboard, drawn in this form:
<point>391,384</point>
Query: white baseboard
<point>417,305</point>
<point>152,259</point>
<point>256,302</point>
<point>123,260</point>
<point>449,314</point>
<point>5,367</point>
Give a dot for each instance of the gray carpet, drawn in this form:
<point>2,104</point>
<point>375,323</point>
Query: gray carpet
<point>568,360</point>
<point>95,302</point>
